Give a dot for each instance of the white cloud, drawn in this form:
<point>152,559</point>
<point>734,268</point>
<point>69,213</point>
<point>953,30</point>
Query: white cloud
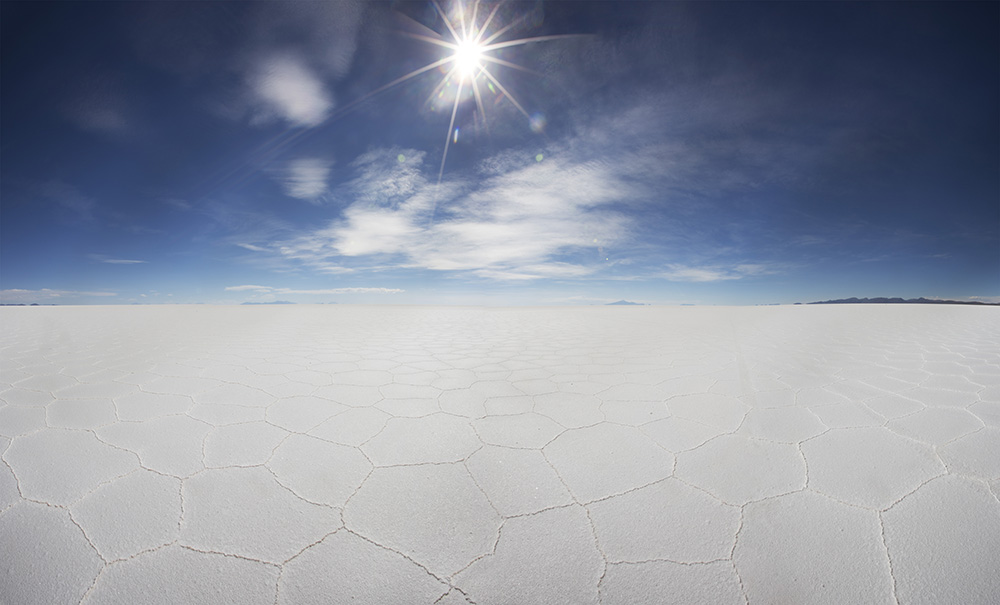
<point>17,295</point>
<point>332,269</point>
<point>290,91</point>
<point>246,288</point>
<point>305,178</point>
<point>270,290</point>
<point>713,273</point>
<point>101,258</point>
<point>342,291</point>
<point>521,225</point>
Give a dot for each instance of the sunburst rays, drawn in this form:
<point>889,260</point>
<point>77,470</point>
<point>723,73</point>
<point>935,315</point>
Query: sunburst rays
<point>472,43</point>
<point>473,46</point>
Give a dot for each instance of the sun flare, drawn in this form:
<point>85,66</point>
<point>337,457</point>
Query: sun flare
<point>467,55</point>
<point>474,44</point>
<point>471,39</point>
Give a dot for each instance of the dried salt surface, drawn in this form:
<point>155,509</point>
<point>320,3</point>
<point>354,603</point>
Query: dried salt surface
<point>490,455</point>
<point>347,568</point>
<point>174,575</point>
<point>669,583</point>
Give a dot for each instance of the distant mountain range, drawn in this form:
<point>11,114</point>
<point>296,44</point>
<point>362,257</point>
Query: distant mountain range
<point>274,302</point>
<point>909,301</point>
<point>626,302</point>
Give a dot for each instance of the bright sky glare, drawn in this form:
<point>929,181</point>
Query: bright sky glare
<point>511,153</point>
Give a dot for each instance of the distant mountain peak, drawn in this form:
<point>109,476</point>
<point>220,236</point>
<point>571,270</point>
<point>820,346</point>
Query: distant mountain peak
<point>626,302</point>
<point>908,301</point>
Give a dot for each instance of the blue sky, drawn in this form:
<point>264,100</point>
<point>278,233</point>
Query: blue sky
<point>668,153</point>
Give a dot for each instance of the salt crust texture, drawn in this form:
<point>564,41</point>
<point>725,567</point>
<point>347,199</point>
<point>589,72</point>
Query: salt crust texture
<point>333,454</point>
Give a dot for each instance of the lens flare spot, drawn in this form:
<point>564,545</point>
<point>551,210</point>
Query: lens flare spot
<point>455,138</point>
<point>539,157</point>
<point>401,158</point>
<point>537,122</point>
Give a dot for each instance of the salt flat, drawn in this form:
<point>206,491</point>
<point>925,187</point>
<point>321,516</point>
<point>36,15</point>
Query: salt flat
<point>380,454</point>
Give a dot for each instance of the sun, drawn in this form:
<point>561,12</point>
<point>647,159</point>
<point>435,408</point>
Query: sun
<point>467,57</point>
<point>471,42</point>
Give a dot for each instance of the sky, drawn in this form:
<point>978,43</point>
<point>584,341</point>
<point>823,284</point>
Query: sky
<point>521,153</point>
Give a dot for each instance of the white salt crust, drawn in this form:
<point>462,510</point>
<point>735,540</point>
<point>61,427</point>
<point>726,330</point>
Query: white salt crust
<point>456,455</point>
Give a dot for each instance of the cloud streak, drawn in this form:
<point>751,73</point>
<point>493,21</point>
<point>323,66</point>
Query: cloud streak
<point>116,261</point>
<point>682,273</point>
<point>270,290</point>
<point>18,295</point>
<point>306,178</point>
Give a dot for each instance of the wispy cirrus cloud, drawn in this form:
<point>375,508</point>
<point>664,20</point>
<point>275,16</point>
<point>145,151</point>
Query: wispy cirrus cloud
<point>18,295</point>
<point>683,273</point>
<point>306,178</point>
<point>115,261</point>
<point>249,288</point>
<point>270,290</point>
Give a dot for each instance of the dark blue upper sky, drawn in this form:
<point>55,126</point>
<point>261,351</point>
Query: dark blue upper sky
<point>712,152</point>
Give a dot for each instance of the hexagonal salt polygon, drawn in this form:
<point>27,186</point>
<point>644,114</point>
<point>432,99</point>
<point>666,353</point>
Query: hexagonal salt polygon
<point>738,469</point>
<point>59,466</point>
<point>665,520</point>
<point>871,467</point>
<point>131,514</point>
<point>169,444</point>
<point>319,471</point>
<point>175,574</point>
<point>80,413</point>
<point>517,481</point>
<point>436,438</point>
<point>607,459</point>
<point>365,574</point>
<point>976,454</point>
<point>433,513</point>
<point>806,548</point>
<point>246,512</point>
<point>352,427</point>
<point>245,444</point>
<point>528,430</point>
<point>944,540</point>
<point>549,557</point>
<point>714,410</point>
<point>46,558</point>
<point>936,426</point>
